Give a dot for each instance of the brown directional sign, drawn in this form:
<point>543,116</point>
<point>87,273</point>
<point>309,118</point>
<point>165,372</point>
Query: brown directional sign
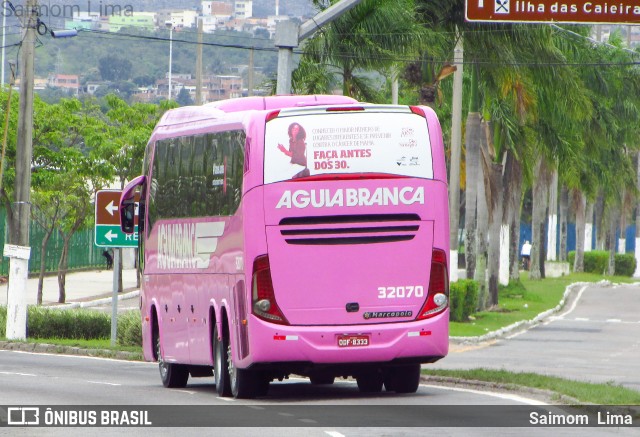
<point>107,212</point>
<point>554,11</point>
<point>107,229</point>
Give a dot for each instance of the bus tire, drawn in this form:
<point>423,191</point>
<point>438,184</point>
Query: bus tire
<point>247,384</point>
<point>370,381</point>
<point>403,379</point>
<point>221,364</point>
<point>322,379</point>
<point>172,375</point>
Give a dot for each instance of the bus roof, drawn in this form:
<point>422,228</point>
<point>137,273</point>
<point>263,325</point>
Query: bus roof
<point>219,109</point>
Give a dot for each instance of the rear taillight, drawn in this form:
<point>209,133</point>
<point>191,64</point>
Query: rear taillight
<point>263,299</point>
<point>418,111</point>
<point>438,296</point>
<point>270,116</point>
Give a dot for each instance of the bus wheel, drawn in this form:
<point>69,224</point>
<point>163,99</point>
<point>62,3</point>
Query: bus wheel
<point>172,375</point>
<point>403,379</point>
<point>370,381</point>
<point>322,379</point>
<point>247,384</point>
<point>220,365</point>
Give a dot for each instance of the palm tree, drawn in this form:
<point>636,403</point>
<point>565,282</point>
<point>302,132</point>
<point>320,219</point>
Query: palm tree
<point>369,37</point>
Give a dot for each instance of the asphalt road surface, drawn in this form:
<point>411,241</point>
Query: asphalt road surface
<point>596,339</point>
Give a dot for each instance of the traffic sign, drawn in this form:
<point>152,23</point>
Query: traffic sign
<point>107,230</point>
<point>554,11</point>
<point>112,236</point>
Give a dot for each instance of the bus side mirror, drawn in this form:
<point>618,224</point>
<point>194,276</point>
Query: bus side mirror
<point>127,216</point>
<point>127,205</point>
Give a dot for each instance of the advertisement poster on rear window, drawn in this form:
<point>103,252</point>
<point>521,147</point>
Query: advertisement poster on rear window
<point>347,143</point>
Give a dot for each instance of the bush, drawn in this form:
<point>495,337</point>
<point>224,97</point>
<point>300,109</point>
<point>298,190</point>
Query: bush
<point>3,322</point>
<point>72,324</point>
<point>625,264</point>
<point>597,261</point>
<point>130,329</point>
<point>464,299</point>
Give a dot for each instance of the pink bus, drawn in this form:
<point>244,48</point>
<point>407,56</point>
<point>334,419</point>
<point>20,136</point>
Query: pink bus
<point>303,235</point>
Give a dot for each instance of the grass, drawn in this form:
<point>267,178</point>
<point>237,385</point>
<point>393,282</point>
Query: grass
<point>104,344</point>
<point>583,392</point>
<point>524,300</point>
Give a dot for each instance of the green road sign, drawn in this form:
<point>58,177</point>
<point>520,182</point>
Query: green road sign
<point>112,236</point>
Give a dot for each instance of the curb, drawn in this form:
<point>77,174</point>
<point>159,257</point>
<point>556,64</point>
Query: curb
<point>44,348</point>
<point>97,302</point>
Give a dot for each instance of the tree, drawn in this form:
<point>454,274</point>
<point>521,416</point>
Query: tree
<point>184,98</point>
<point>368,37</point>
<point>64,174</point>
<point>113,68</point>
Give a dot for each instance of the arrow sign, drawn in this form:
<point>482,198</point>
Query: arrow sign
<point>110,236</point>
<point>111,208</point>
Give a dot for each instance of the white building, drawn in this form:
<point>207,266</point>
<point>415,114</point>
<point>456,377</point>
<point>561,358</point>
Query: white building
<point>243,9</point>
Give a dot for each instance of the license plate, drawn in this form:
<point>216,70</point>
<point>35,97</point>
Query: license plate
<point>353,340</point>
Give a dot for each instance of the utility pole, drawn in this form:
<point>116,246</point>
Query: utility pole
<point>199,100</point>
<point>456,150</point>
<point>250,73</point>
<point>289,35</point>
<point>19,255</point>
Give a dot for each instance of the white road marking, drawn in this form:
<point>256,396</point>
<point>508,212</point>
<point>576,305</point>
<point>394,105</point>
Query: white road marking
<point>515,398</point>
<point>581,319</point>
<point>18,374</point>
<point>334,434</point>
<point>307,421</point>
<point>614,320</point>
<point>575,302</point>
<point>104,383</point>
<point>187,392</point>
<point>226,399</point>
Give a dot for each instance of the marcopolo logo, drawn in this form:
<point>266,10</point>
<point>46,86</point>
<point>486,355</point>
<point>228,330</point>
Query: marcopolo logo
<point>325,198</point>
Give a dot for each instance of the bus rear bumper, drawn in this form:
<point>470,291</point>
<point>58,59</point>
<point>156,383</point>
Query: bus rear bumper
<point>423,341</point>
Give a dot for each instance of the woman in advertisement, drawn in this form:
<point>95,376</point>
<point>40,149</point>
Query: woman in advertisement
<point>297,148</point>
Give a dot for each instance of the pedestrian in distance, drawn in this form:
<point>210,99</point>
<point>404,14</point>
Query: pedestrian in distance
<point>525,253</point>
<point>107,254</point>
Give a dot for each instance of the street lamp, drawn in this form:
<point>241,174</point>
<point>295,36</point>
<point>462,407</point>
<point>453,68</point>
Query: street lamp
<point>169,25</point>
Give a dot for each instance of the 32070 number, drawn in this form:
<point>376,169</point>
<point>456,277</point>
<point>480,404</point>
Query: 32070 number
<point>400,292</point>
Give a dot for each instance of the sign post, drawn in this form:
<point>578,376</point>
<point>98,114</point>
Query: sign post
<point>108,234</point>
<point>554,11</point>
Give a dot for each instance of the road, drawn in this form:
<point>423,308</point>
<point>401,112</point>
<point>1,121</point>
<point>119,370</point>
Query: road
<point>290,407</point>
<point>596,339</point>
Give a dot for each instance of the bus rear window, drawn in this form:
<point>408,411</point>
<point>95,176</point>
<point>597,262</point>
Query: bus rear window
<point>347,143</point>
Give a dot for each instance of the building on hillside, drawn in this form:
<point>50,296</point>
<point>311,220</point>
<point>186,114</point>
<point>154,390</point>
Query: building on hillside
<point>139,20</point>
<point>210,23</point>
<point>214,88</point>
<point>145,95</point>
<point>180,19</point>
<point>222,87</point>
<point>272,21</point>
<point>243,9</point>
<point>68,82</point>
<point>91,87</point>
<point>235,24</point>
<point>83,20</point>
<point>222,8</point>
